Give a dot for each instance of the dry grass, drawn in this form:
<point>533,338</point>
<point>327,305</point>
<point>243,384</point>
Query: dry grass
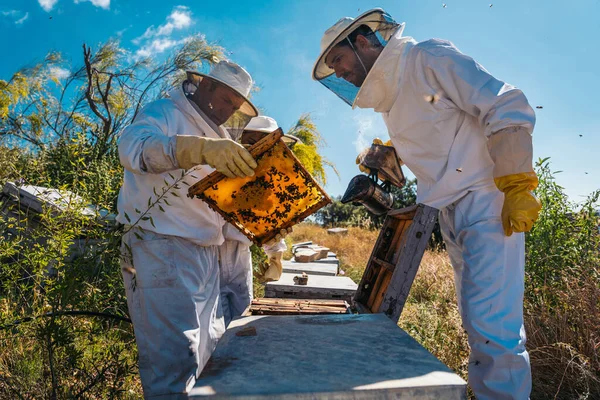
<point>353,249</point>
<point>564,342</point>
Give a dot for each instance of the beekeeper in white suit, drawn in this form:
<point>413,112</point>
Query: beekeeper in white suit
<point>467,138</point>
<point>170,263</point>
<point>234,254</point>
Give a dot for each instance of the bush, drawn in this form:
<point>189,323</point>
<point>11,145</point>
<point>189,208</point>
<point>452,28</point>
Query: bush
<point>562,294</point>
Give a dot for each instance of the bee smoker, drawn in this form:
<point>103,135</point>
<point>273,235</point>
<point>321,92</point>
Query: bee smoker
<point>384,165</point>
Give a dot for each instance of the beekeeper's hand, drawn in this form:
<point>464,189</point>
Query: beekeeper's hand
<point>279,237</point>
<point>521,208</point>
<point>224,155</point>
<point>362,154</point>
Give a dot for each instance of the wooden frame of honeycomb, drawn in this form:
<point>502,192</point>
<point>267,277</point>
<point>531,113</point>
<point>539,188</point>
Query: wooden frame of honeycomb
<point>279,195</point>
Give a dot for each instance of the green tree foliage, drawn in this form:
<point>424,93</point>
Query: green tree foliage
<point>562,293</point>
<point>308,150</point>
<point>63,314</point>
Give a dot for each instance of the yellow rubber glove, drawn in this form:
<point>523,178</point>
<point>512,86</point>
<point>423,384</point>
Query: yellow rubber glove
<point>224,155</point>
<point>360,157</point>
<point>521,207</point>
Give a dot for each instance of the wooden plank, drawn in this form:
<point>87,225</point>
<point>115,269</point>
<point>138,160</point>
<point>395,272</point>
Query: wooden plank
<point>389,266</point>
<point>395,253</point>
<point>404,213</point>
<point>411,253</point>
<point>325,302</point>
<point>382,290</point>
<point>266,306</point>
<point>376,286</point>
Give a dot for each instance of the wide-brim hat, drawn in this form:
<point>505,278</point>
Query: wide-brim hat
<point>232,76</point>
<point>376,19</point>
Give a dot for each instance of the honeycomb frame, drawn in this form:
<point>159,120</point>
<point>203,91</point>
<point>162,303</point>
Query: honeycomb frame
<point>267,152</point>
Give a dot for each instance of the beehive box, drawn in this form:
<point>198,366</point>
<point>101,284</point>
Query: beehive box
<point>313,268</point>
<point>318,287</point>
<point>323,357</point>
<point>395,259</point>
<point>279,195</point>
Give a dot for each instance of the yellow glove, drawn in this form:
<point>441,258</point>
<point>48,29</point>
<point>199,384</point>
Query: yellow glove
<point>521,207</point>
<point>360,157</point>
<point>224,155</point>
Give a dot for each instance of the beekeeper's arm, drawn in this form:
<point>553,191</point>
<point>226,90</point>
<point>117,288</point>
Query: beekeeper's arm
<point>508,121</point>
<point>274,250</point>
<point>146,147</point>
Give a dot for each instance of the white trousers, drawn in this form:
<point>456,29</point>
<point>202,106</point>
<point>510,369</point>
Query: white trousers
<point>235,262</point>
<point>489,276</point>
<point>172,288</point>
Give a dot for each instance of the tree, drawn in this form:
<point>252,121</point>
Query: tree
<point>95,100</point>
<point>63,315</point>
<point>308,150</point>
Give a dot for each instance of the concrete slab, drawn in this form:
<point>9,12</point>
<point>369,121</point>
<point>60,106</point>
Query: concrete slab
<point>325,357</point>
<point>313,268</point>
<point>318,287</point>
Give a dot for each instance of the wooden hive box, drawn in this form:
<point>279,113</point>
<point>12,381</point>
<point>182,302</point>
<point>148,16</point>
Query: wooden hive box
<point>313,268</point>
<point>389,273</point>
<point>318,287</point>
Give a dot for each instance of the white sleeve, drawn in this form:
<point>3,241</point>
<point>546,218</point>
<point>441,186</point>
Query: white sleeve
<point>145,146</point>
<point>496,104</point>
<point>275,247</point>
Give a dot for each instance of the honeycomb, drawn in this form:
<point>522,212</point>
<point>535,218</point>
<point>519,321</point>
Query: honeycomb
<point>280,194</point>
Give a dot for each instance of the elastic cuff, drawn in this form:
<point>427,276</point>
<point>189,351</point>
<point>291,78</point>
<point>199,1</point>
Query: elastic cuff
<point>511,149</point>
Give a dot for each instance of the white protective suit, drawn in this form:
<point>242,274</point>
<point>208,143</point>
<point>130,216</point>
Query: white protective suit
<point>172,278</point>
<point>440,108</point>
<point>235,262</point>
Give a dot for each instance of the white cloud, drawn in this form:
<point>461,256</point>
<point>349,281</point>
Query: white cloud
<point>21,20</point>
<point>47,5</point>
<point>157,46</point>
<point>180,18</point>
<point>18,16</point>
<point>59,73</point>
<point>98,3</point>
<point>122,31</point>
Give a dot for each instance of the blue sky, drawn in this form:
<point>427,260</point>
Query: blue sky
<point>549,49</point>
